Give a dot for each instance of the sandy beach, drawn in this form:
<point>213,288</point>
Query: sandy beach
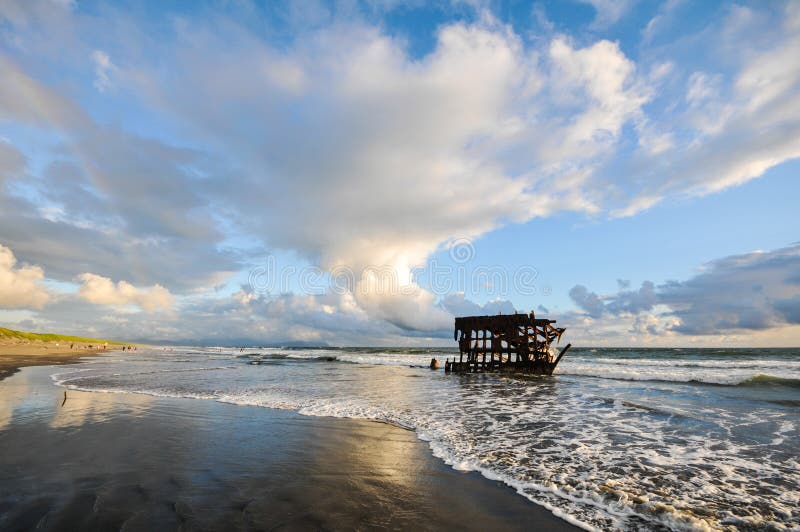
<point>132,461</point>
<point>16,354</point>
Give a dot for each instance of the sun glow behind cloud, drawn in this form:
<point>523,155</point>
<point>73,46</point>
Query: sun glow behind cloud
<point>176,156</point>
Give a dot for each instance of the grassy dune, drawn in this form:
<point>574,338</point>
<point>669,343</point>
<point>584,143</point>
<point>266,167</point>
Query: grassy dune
<point>9,334</point>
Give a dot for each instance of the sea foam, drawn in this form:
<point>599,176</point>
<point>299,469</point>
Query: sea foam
<point>620,443</point>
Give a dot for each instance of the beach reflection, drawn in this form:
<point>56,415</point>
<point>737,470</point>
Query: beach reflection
<point>22,401</point>
<point>113,461</point>
<point>387,455</point>
<point>17,400</point>
<point>91,407</point>
<point>12,395</point>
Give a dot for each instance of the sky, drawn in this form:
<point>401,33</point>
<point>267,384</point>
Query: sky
<point>360,172</point>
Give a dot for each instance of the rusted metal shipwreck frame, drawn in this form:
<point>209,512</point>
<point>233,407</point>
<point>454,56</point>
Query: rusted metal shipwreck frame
<point>513,343</point>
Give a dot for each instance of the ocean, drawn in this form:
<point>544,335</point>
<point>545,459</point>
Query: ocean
<point>681,439</point>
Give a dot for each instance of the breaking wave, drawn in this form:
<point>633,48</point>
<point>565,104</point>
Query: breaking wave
<point>614,442</point>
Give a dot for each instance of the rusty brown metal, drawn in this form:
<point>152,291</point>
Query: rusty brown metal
<point>512,343</point>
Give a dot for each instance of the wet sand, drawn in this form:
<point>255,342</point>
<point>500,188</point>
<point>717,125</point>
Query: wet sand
<point>134,462</point>
<point>16,355</point>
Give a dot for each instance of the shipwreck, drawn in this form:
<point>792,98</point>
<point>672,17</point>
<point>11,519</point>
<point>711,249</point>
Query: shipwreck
<point>515,343</point>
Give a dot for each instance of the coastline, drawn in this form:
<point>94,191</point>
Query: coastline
<point>109,459</point>
<point>15,356</point>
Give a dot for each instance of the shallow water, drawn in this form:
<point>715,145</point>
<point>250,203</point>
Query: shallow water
<point>134,462</point>
<point>619,438</point>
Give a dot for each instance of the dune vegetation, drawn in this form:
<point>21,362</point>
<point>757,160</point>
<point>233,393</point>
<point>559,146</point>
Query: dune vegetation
<point>10,334</point>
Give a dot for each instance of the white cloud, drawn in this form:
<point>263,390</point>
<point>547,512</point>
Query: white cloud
<point>701,87</point>
<point>106,198</point>
<point>608,11</point>
<point>20,287</point>
<point>394,155</point>
<point>600,81</point>
<point>377,158</point>
<point>734,126</point>
<point>103,70</point>
<point>665,14</point>
<point>410,307</point>
<point>458,305</point>
<point>345,148</point>
<point>246,317</point>
<point>103,291</point>
<point>642,203</point>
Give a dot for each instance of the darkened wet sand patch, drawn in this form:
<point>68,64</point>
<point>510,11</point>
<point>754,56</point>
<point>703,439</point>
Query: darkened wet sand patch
<point>135,462</point>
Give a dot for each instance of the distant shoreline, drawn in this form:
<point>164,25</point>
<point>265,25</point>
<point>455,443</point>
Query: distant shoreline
<point>19,349</point>
<point>15,357</point>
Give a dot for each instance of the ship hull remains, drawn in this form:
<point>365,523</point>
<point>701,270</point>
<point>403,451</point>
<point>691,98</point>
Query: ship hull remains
<point>516,343</point>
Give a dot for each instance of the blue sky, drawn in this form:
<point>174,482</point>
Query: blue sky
<point>627,167</point>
